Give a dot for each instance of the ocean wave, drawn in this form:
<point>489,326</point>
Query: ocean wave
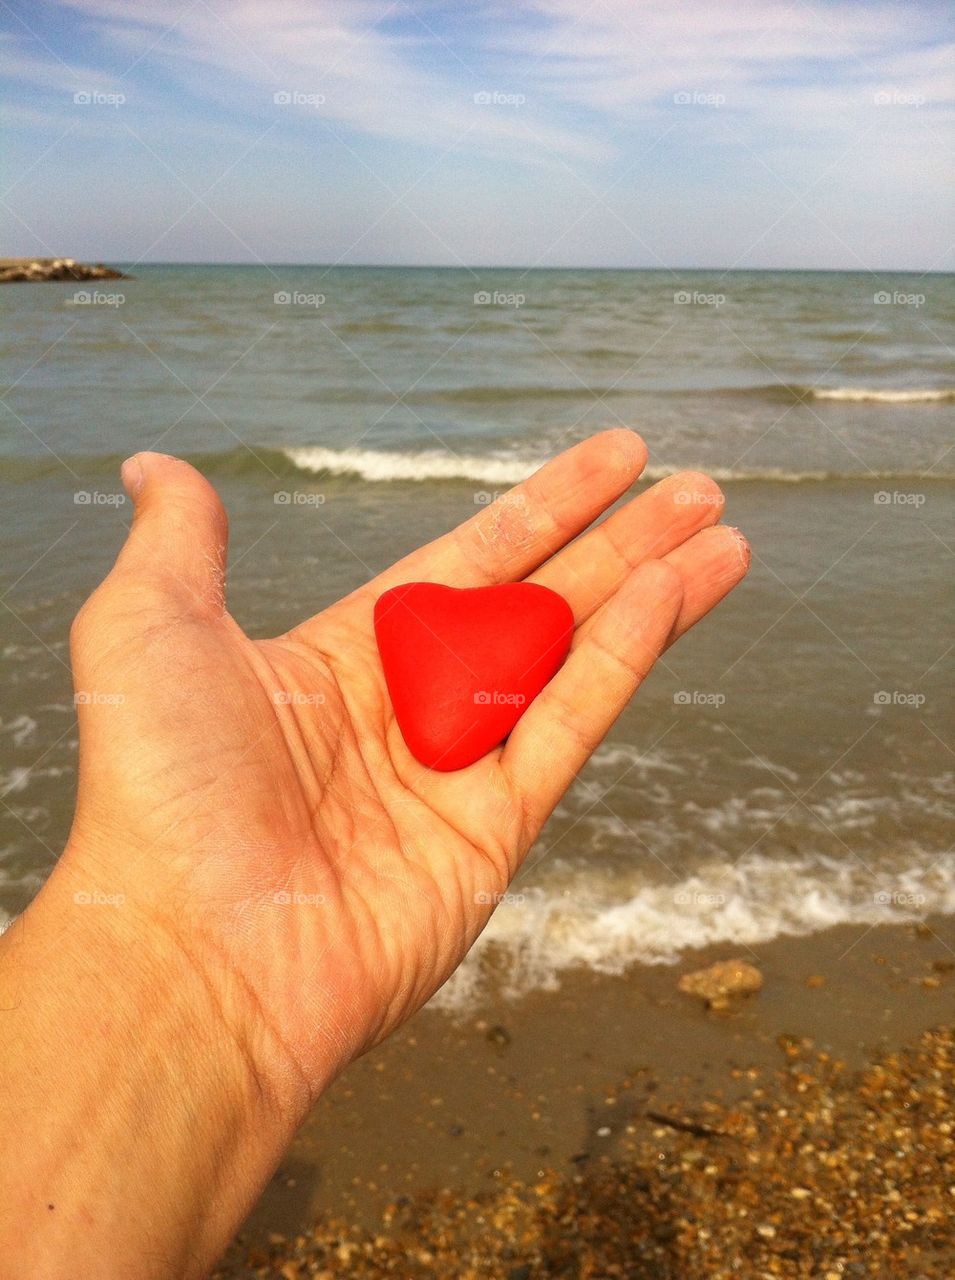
<point>606,922</point>
<point>506,469</point>
<point>378,465</point>
<point>497,468</point>
<point>914,395</point>
<point>794,392</point>
<point>775,392</point>
<point>429,464</point>
<point>515,394</point>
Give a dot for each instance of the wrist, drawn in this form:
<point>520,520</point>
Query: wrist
<point>143,1100</point>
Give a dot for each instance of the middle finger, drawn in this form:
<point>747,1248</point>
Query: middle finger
<point>587,572</point>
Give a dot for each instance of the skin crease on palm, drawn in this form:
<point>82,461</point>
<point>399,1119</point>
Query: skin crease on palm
<point>253,801</point>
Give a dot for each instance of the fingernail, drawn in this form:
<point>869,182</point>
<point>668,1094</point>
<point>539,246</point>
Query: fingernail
<point>742,546</point>
<point>131,474</point>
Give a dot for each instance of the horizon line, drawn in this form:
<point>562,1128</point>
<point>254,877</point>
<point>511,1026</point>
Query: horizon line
<point>427,266</point>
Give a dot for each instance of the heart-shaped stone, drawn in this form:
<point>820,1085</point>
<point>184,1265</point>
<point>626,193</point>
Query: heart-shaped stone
<point>462,665</point>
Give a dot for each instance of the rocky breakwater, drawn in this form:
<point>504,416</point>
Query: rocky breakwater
<point>20,270</point>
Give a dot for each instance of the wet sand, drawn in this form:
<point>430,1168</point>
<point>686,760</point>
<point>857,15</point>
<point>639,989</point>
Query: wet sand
<point>617,1123</point>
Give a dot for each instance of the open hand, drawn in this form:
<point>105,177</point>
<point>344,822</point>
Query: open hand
<point>254,800</point>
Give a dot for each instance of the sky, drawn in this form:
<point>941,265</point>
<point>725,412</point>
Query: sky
<point>603,133</point>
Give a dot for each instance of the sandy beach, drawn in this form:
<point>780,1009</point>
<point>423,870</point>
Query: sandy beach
<point>618,1127</point>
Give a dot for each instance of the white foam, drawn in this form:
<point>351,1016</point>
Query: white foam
<point>493,469</point>
<point>616,755</point>
<point>608,923</point>
<point>21,730</point>
<point>915,395</point>
<point>428,464</point>
<point>505,469</point>
<point>15,779</point>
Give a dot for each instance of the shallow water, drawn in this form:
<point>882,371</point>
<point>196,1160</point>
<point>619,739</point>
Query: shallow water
<point>787,767</point>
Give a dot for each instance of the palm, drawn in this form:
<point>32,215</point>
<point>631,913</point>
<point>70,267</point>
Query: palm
<point>279,817</point>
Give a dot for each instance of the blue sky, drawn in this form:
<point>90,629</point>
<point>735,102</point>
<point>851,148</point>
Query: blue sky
<point>764,133</point>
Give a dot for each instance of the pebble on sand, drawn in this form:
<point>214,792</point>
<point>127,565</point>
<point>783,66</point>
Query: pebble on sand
<point>817,1171</point>
<point>718,982</point>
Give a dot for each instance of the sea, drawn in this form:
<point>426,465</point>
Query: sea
<point>787,767</point>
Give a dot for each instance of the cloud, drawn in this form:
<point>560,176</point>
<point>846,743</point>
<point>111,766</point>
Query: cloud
<point>400,82</point>
<point>558,122</point>
<point>625,61</point>
<point>559,80</point>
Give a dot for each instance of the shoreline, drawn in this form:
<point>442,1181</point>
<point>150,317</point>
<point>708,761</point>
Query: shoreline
<point>560,1091</point>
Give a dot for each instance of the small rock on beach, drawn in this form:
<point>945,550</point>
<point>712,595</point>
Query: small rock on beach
<point>717,983</point>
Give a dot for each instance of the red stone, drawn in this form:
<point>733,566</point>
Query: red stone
<point>462,665</point>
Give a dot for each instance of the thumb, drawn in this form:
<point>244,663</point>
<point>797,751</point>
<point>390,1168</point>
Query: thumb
<point>180,530</point>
